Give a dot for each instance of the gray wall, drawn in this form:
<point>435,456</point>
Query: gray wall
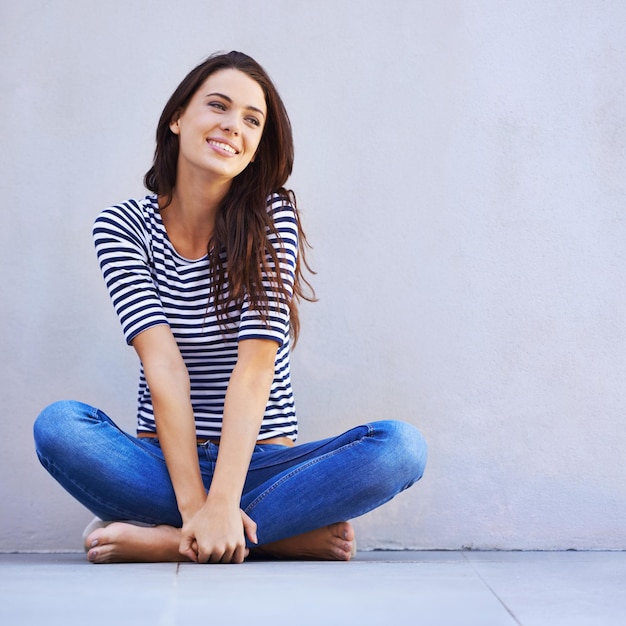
<point>462,174</point>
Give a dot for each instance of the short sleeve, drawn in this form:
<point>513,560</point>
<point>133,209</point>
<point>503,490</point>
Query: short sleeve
<point>122,247</point>
<point>285,243</point>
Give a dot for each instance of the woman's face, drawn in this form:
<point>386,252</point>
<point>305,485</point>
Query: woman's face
<point>221,127</point>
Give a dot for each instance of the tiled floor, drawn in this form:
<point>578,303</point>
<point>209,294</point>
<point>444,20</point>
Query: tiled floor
<point>377,588</point>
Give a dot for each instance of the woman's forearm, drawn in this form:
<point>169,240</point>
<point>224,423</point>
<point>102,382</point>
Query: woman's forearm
<point>168,381</point>
<point>244,407</point>
<point>175,423</point>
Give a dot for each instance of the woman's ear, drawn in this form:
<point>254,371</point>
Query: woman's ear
<point>175,123</point>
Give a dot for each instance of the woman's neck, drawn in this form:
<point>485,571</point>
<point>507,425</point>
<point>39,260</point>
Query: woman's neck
<point>190,217</point>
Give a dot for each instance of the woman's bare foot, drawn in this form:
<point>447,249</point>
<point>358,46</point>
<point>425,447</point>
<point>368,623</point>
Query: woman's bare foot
<point>330,543</point>
<point>120,542</point>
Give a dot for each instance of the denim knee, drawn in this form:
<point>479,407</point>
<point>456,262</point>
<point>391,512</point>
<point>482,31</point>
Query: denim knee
<point>405,450</point>
<point>52,424</point>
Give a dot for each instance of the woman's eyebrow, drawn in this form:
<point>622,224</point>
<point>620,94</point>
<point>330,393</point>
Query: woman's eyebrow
<point>229,99</point>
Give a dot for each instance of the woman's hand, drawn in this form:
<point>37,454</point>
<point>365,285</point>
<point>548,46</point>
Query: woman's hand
<point>216,534</point>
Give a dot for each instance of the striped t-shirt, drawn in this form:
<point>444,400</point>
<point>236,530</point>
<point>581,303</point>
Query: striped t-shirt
<point>150,284</point>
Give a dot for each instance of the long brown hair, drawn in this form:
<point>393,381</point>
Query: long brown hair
<point>239,253</point>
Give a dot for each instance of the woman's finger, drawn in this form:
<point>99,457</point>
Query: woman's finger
<point>249,526</point>
<point>240,554</point>
<point>188,547</point>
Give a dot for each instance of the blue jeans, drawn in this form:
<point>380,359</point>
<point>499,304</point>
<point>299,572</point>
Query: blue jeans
<point>288,490</point>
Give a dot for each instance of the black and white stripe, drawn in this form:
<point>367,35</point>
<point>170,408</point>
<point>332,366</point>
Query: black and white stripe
<point>150,284</point>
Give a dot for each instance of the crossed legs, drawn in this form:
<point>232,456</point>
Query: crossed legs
<point>300,497</point>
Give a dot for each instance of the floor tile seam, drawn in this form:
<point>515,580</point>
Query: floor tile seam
<point>492,590</point>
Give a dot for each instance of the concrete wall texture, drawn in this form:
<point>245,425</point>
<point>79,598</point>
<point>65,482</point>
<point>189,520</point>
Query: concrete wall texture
<point>461,168</point>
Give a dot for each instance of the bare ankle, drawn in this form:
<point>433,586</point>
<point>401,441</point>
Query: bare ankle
<point>330,543</point>
<point>122,542</point>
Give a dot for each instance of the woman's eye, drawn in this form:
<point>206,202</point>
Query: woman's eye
<point>254,121</point>
<point>217,105</point>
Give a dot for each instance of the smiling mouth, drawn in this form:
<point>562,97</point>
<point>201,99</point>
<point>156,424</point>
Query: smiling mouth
<point>223,146</point>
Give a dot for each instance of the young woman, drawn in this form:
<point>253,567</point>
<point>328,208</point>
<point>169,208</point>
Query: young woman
<point>205,274</point>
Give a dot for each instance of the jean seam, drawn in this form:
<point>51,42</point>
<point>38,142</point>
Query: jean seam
<point>136,441</point>
<point>279,461</point>
<point>125,515</point>
<point>301,468</point>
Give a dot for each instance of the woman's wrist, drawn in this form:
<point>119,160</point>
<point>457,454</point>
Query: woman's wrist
<point>222,498</point>
<point>190,507</point>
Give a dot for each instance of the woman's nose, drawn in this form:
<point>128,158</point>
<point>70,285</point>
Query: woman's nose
<point>230,124</point>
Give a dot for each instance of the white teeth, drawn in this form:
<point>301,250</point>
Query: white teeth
<point>223,146</point>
